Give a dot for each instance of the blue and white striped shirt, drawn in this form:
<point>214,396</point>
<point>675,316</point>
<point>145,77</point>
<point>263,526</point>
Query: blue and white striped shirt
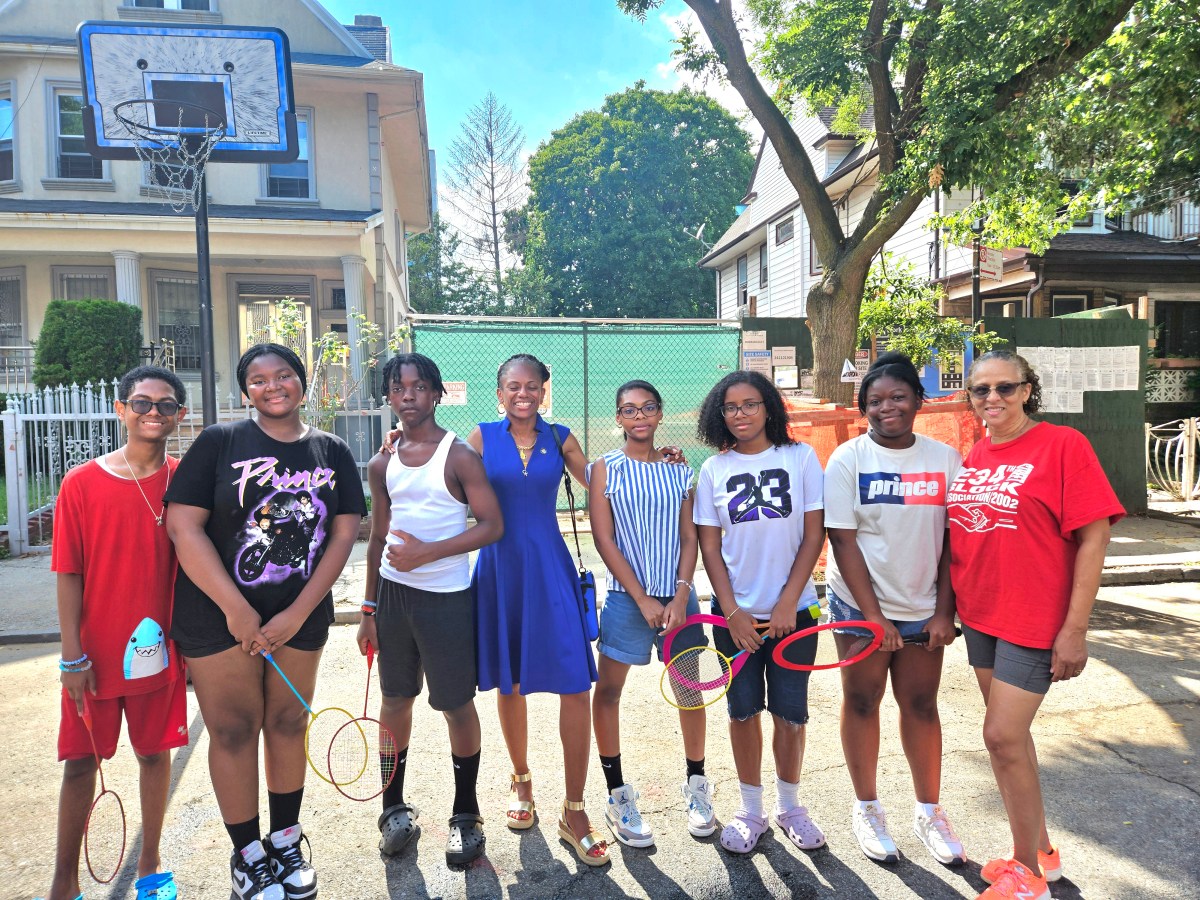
<point>645,500</point>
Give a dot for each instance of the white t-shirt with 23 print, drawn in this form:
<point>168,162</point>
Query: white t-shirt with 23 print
<point>759,501</point>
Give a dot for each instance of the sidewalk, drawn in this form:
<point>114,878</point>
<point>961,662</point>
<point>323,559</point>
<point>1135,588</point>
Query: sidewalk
<point>1157,549</point>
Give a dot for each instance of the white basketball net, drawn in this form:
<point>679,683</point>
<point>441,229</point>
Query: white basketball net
<point>174,160</point>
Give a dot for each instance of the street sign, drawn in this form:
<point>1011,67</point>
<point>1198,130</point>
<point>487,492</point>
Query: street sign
<point>850,373</point>
<point>991,264</point>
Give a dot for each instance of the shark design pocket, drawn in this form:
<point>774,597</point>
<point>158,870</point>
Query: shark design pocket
<point>146,652</point>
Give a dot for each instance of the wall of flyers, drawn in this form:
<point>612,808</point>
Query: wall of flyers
<point>1067,372</point>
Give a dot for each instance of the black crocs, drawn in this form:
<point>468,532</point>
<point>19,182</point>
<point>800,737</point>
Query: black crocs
<point>465,842</point>
<point>397,827</point>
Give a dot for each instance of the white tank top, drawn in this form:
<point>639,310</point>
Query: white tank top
<point>422,506</point>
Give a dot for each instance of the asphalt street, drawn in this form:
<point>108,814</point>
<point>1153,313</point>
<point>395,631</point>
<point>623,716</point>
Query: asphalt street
<point>1118,751</point>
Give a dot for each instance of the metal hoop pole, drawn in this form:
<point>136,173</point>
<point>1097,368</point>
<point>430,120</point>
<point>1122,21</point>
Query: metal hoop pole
<point>208,379</point>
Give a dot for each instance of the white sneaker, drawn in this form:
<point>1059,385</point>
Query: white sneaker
<point>702,821</point>
<point>937,834</point>
<point>288,864</point>
<point>623,818</point>
<point>250,871</point>
<point>870,828</point>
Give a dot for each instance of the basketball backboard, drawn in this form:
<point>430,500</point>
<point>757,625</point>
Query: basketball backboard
<point>187,81</point>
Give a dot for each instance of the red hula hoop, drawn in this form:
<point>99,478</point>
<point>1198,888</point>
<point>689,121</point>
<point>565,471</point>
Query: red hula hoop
<point>874,627</point>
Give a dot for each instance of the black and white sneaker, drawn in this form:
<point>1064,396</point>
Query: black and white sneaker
<point>288,864</point>
<point>250,871</point>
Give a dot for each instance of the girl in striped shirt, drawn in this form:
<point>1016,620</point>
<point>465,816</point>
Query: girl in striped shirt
<point>641,511</point>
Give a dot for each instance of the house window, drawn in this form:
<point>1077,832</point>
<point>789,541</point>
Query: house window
<point>177,299</point>
<point>337,298</point>
<point>294,180</point>
<point>72,160</point>
<point>8,165</point>
<point>742,280</point>
<point>84,283</point>
<point>784,231</point>
<point>1178,324</point>
<point>814,261</point>
<point>201,5</point>
<point>12,320</point>
<point>762,266</point>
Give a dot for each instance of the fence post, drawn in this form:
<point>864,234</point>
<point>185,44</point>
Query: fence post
<point>16,481</point>
<point>1188,476</point>
<point>587,420</point>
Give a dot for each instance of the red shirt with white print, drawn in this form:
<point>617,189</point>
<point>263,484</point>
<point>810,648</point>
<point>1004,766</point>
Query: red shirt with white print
<point>1013,511</point>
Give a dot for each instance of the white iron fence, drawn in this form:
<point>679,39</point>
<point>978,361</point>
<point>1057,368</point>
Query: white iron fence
<point>49,432</point>
<point>1172,454</point>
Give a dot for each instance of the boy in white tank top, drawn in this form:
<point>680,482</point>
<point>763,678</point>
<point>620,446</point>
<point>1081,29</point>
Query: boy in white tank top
<point>419,611</point>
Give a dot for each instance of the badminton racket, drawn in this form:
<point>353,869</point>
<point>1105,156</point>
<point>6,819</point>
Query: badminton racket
<point>697,677</point>
<point>867,648</point>
<point>322,726</point>
<point>350,755</point>
<point>921,637</point>
<point>104,832</point>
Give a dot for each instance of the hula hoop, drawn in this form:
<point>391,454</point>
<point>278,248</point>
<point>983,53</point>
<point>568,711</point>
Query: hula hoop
<point>874,627</point>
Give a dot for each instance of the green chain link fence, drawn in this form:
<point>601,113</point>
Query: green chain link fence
<point>588,360</point>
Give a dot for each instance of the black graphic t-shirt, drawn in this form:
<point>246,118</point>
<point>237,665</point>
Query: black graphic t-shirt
<point>272,507</point>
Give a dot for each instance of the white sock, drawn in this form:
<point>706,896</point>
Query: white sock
<point>785,795</point>
<point>751,798</point>
<point>860,805</point>
<point>926,809</point>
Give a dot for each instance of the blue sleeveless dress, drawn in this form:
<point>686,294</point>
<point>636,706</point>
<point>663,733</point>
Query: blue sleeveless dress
<point>529,627</point>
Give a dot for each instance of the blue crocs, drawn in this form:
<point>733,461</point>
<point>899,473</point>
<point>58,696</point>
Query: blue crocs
<point>159,886</point>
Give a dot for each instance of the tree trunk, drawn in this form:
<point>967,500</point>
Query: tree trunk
<point>833,306</point>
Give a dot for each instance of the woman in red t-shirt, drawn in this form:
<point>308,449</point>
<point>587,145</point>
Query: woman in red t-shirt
<point>1035,493</point>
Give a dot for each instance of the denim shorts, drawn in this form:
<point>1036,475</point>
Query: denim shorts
<point>841,611</point>
<point>1027,668</point>
<point>764,684</point>
<point>626,638</point>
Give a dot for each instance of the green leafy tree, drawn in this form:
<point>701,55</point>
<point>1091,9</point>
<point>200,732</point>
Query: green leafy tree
<point>961,92</point>
<point>903,306</point>
<point>438,281</point>
<point>613,195</point>
<point>85,341</point>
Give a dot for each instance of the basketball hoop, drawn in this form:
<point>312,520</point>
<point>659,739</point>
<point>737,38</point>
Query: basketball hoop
<point>174,155</point>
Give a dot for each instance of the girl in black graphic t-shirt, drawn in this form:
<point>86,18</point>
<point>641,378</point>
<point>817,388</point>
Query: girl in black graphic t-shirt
<point>263,515</point>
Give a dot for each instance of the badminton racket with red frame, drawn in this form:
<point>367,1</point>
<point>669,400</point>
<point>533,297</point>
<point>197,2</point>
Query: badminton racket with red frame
<point>104,832</point>
<point>362,754</point>
<point>322,726</point>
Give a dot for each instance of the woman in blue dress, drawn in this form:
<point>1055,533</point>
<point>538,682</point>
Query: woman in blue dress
<point>530,635</point>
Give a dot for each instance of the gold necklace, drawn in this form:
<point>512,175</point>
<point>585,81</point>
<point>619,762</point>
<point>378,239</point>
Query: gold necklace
<point>158,517</point>
<point>525,453</point>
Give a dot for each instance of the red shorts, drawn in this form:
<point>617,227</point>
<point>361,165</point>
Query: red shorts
<point>157,721</point>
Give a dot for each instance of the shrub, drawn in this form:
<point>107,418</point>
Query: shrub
<point>87,340</point>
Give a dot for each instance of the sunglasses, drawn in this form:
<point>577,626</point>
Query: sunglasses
<point>141,407</point>
<point>1004,389</point>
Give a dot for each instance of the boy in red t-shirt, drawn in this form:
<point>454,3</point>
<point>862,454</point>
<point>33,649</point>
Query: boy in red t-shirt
<point>116,569</point>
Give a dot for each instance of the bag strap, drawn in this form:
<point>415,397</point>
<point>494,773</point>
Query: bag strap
<point>570,495</point>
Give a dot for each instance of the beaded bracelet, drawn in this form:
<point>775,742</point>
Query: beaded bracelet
<point>85,666</point>
<point>73,662</point>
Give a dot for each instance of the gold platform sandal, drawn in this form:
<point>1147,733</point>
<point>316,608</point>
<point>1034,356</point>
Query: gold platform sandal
<point>584,848</point>
<point>521,813</point>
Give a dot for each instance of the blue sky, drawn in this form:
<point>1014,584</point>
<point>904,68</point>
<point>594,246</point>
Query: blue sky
<point>545,59</point>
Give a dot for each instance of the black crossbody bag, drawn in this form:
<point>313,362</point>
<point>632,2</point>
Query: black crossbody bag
<point>587,581</point>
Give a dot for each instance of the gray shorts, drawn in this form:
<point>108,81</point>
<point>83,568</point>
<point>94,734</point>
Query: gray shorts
<point>1027,668</point>
<point>424,633</point>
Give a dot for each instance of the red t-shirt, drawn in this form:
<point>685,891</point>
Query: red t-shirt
<point>1013,509</point>
<point>104,531</point>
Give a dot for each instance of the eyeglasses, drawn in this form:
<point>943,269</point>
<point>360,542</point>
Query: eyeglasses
<point>141,407</point>
<point>646,409</point>
<point>749,408</point>
<point>1004,389</point>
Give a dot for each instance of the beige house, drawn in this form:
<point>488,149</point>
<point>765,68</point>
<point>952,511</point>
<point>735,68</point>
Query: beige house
<point>328,230</point>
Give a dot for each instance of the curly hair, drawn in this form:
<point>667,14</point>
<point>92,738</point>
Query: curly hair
<point>892,365</point>
<point>427,370</point>
<point>131,379</point>
<point>1030,377</point>
<point>287,354</point>
<point>711,428</point>
<point>528,359</point>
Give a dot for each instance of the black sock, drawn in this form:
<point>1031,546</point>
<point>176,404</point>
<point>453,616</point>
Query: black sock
<point>612,771</point>
<point>243,834</point>
<point>466,774</point>
<point>694,767</point>
<point>393,794</point>
<point>284,809</point>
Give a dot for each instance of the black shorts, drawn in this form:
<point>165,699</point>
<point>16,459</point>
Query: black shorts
<point>198,627</point>
<point>426,633</point>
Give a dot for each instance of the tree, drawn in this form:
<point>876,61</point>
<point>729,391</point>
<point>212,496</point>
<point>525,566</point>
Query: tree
<point>486,180</point>
<point>438,281</point>
<point>87,341</point>
<point>613,196</point>
<point>956,87</point>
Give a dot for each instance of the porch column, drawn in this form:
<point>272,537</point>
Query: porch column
<point>354,276</point>
<point>129,282</point>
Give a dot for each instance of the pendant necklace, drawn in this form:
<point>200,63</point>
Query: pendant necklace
<point>524,453</point>
<point>158,517</point>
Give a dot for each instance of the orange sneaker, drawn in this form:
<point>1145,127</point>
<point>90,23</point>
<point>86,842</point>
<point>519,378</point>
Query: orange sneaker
<point>1051,864</point>
<point>1016,882</point>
